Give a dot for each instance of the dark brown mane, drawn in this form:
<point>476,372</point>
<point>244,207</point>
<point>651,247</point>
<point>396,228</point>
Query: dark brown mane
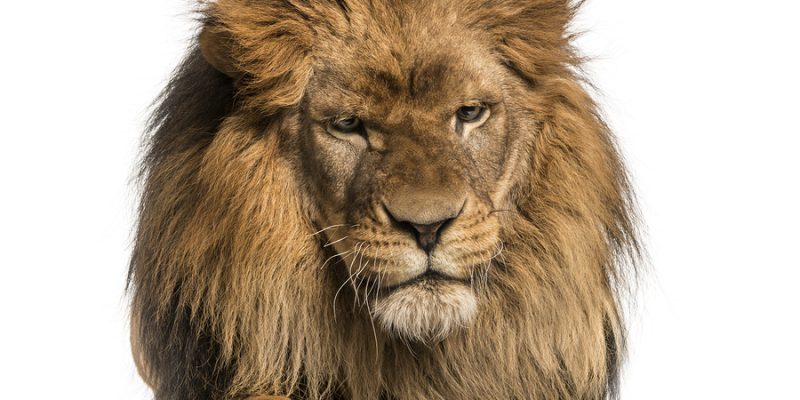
<point>190,108</point>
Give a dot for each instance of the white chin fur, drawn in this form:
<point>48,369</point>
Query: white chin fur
<point>426,311</point>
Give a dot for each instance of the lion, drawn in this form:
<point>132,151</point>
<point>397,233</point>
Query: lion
<point>382,199</point>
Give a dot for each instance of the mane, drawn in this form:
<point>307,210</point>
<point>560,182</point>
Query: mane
<point>228,275</point>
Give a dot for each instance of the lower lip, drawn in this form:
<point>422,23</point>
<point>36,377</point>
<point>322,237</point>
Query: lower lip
<point>428,276</point>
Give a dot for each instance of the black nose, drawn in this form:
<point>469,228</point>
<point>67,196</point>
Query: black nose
<point>427,235</point>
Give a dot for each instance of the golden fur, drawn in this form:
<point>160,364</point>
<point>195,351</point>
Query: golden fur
<point>240,269</point>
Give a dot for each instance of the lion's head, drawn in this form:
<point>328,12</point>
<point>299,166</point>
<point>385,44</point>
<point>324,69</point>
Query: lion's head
<point>385,199</point>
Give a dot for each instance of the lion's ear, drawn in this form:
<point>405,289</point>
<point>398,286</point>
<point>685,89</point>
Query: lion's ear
<point>216,46</point>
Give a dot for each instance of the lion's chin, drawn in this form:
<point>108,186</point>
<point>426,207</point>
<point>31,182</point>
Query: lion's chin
<point>426,311</point>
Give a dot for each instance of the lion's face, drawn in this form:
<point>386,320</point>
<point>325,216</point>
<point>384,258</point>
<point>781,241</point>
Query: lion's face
<point>408,152</point>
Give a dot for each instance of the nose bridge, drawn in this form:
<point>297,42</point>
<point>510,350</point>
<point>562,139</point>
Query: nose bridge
<point>424,184</point>
<point>421,156</point>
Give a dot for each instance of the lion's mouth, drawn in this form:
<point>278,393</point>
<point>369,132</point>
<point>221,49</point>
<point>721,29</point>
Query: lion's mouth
<point>430,278</point>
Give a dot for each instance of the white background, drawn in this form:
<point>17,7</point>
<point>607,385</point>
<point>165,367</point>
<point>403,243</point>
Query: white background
<point>702,94</point>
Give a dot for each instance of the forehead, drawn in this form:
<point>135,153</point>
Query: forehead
<point>402,66</point>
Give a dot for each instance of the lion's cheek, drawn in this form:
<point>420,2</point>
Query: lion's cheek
<point>468,248</point>
<point>391,267</point>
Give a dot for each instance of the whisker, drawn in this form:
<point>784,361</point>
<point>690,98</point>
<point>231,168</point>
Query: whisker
<point>332,227</point>
<point>372,323</point>
<point>500,247</point>
<point>378,288</point>
<point>472,278</point>
<point>346,281</point>
<point>355,257</point>
<point>325,229</point>
<point>484,274</point>
<point>367,282</point>
<point>334,256</point>
<point>337,241</point>
<point>357,286</point>
<point>355,275</point>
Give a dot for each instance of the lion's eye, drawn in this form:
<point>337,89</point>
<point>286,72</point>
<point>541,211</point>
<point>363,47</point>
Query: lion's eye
<point>470,113</point>
<point>347,125</point>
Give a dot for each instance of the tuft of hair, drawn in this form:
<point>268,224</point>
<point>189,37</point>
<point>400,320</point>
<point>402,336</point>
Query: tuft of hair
<point>229,299</point>
<point>424,315</point>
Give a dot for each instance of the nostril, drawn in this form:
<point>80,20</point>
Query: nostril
<point>428,234</point>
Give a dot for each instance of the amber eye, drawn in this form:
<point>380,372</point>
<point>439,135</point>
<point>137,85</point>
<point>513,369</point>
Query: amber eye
<point>347,125</point>
<point>470,113</point>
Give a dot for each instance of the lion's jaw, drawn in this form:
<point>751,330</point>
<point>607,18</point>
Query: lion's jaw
<point>426,311</point>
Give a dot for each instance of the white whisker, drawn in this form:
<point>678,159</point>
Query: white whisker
<point>334,256</point>
<point>346,281</point>
<point>372,322</point>
<point>325,229</point>
<point>358,273</point>
<point>337,241</point>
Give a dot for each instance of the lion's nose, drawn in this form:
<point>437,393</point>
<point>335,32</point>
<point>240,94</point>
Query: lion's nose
<point>427,234</point>
<point>423,218</point>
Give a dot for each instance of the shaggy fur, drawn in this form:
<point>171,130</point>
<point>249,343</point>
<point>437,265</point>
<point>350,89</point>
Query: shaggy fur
<point>239,284</point>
